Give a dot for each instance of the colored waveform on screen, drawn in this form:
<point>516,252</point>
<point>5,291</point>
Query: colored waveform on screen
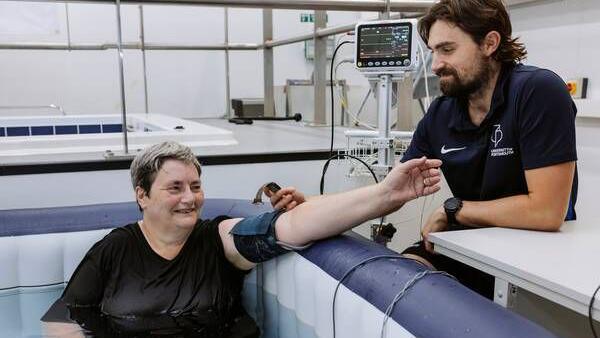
<point>384,42</point>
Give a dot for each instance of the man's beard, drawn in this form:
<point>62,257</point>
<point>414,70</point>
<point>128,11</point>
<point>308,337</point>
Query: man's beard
<point>461,88</point>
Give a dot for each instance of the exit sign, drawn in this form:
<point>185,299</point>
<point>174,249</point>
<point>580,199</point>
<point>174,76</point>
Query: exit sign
<point>310,17</point>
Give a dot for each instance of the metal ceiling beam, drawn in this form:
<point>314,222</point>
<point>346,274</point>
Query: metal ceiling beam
<point>127,45</point>
<point>333,5</point>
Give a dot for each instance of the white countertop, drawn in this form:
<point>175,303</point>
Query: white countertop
<point>561,266</point>
<point>275,137</point>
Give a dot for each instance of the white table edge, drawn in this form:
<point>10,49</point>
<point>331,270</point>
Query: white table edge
<point>495,269</point>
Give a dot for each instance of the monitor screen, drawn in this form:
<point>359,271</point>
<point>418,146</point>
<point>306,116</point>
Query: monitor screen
<point>384,45</point>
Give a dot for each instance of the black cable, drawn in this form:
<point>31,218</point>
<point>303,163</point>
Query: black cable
<point>590,310</point>
<point>422,106</point>
<point>368,260</point>
<point>332,99</point>
<point>296,117</point>
<point>335,157</point>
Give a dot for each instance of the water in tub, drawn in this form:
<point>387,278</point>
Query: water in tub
<point>37,312</point>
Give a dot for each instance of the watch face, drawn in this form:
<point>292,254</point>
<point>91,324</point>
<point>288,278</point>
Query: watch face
<point>452,204</point>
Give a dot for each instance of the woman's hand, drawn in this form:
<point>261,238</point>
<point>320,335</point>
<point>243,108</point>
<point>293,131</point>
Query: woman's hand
<point>286,198</point>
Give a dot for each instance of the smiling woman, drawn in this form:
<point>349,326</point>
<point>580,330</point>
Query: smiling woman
<point>171,267</point>
<point>166,266</point>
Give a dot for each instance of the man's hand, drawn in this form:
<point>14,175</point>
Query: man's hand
<point>287,198</point>
<point>438,221</point>
<point>412,179</point>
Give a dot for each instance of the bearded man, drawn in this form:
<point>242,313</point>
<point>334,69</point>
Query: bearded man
<point>504,131</point>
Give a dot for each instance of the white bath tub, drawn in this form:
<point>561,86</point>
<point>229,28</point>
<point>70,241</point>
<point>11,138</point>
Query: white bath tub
<point>22,136</point>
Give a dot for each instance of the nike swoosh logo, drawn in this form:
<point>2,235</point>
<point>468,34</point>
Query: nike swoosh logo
<point>449,150</point>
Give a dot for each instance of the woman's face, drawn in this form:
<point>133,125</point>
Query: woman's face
<point>175,198</point>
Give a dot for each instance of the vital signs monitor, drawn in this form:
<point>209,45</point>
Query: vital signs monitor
<point>386,47</point>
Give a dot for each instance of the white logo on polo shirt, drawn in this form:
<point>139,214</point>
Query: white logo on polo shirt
<point>496,138</point>
<point>449,150</point>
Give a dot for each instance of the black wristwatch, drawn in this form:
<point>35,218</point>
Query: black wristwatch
<point>452,206</point>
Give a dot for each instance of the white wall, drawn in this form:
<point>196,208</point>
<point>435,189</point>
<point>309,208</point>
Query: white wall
<point>180,83</point>
<point>563,36</point>
<point>559,35</point>
<point>97,187</point>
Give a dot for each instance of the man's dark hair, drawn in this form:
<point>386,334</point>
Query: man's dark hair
<point>477,18</point>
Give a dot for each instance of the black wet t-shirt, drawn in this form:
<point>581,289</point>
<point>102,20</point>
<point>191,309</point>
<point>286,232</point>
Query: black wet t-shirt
<point>125,278</point>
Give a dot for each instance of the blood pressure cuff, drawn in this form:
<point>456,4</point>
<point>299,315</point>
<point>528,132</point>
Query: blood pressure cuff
<point>255,239</point>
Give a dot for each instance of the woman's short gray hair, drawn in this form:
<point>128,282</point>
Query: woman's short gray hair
<point>146,164</point>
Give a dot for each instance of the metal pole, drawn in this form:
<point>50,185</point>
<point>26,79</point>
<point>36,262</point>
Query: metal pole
<point>128,45</point>
<point>320,71</point>
<point>334,5</point>
<point>143,41</point>
<point>51,106</point>
<point>122,78</point>
<point>388,8</point>
<point>404,102</point>
<point>385,155</point>
<point>163,46</point>
<point>323,32</point>
<point>269,93</point>
<point>227,75</point>
<point>68,26</point>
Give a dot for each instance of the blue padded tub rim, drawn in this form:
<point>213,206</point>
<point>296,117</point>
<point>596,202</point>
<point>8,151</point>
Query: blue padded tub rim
<point>20,222</point>
<point>436,306</point>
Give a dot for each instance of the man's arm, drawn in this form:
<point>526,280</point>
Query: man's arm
<point>333,214</point>
<point>543,208</point>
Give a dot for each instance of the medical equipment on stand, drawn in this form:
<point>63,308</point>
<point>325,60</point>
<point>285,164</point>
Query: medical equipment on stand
<point>384,52</point>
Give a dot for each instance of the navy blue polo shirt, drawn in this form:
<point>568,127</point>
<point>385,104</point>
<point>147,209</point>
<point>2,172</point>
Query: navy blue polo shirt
<point>531,124</point>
